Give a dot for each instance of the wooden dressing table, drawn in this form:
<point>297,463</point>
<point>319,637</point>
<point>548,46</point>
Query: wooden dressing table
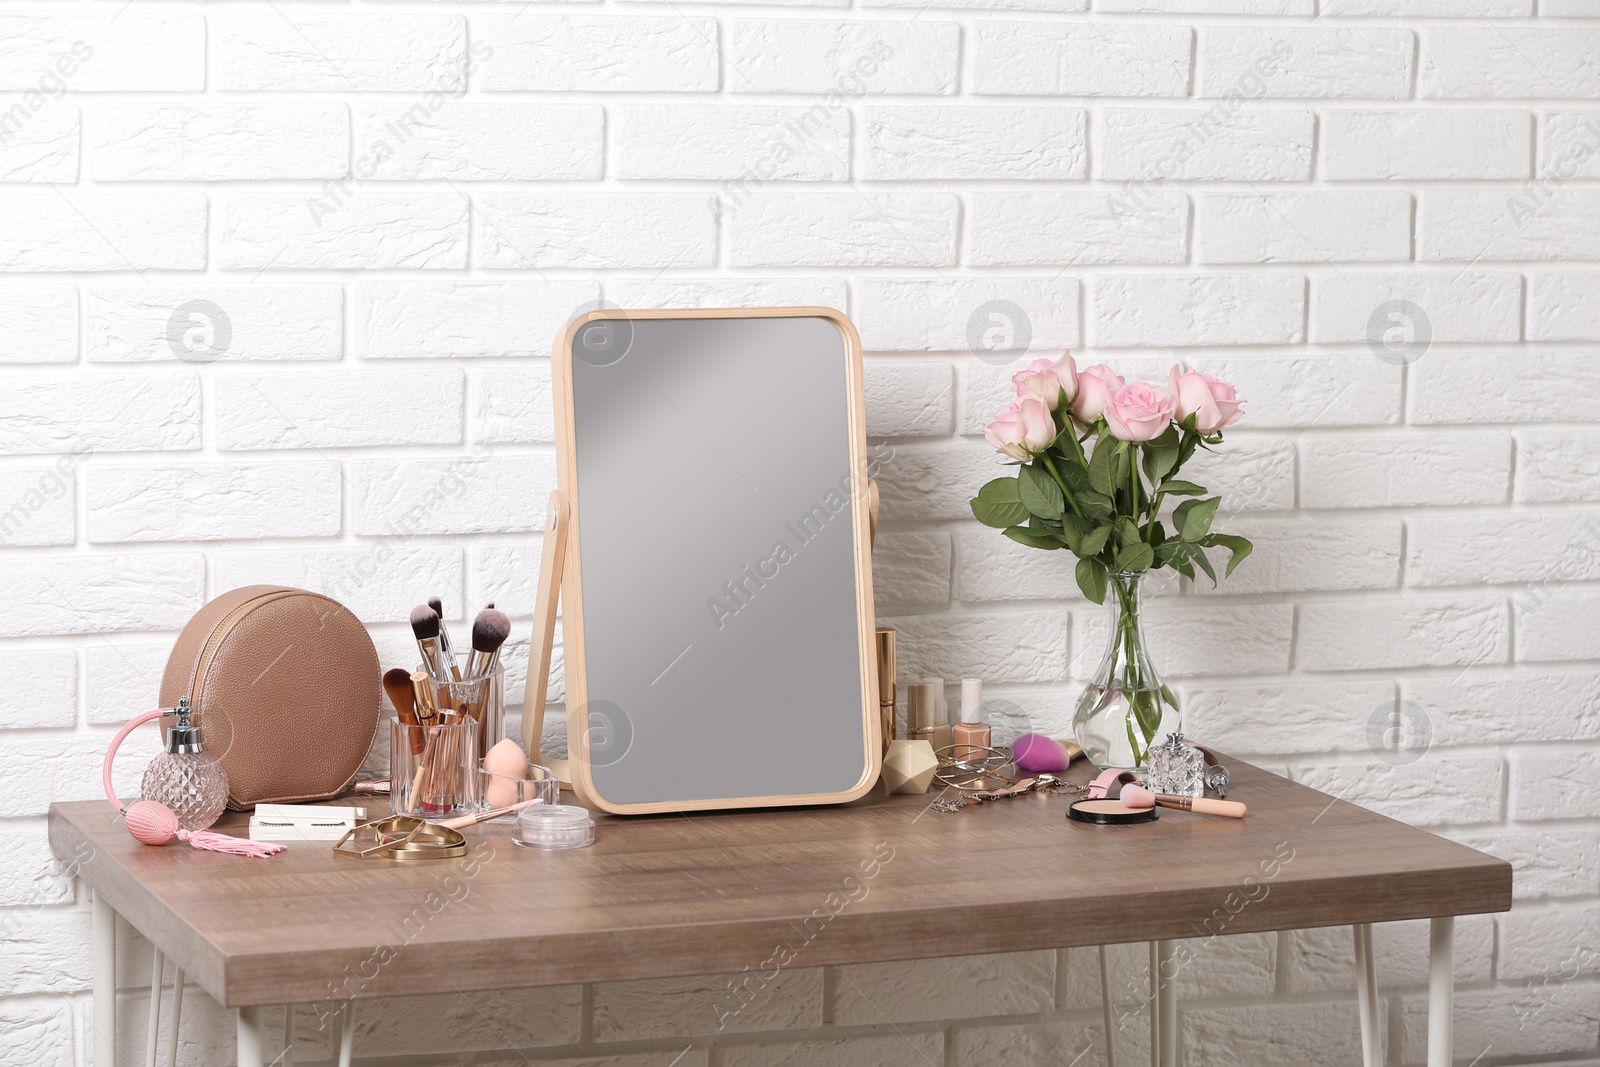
<point>884,879</point>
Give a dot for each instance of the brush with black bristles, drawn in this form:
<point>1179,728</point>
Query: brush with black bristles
<point>445,646</point>
<point>489,631</point>
<point>425,624</point>
<point>444,631</point>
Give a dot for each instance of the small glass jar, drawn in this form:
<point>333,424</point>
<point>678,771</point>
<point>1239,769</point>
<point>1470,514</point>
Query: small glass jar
<point>553,827</point>
<point>1177,768</point>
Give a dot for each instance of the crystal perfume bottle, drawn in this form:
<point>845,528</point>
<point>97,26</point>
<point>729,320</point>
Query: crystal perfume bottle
<point>1177,768</point>
<point>184,777</point>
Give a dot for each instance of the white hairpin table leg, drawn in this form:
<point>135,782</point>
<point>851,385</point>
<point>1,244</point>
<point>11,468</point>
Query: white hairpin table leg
<point>1105,1009</point>
<point>104,926</point>
<point>347,1032</point>
<point>1367,995</point>
<point>1167,975</point>
<point>1441,990</point>
<point>177,1017</point>
<point>1155,1006</point>
<point>153,1031</point>
<point>286,1058</point>
<point>252,1038</point>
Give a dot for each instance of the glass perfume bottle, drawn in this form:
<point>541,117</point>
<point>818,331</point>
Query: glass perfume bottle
<point>1177,768</point>
<point>184,777</point>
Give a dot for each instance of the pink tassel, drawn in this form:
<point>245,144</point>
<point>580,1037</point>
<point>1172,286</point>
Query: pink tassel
<point>234,846</point>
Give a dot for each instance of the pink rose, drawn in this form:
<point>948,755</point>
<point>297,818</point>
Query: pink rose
<point>1138,412</point>
<point>1213,403</point>
<point>1049,382</point>
<point>1021,429</point>
<point>1096,384</point>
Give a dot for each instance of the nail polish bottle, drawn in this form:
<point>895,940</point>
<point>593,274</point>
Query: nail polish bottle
<point>971,733</point>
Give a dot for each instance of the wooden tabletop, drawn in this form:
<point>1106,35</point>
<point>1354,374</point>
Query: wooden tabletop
<point>696,894</point>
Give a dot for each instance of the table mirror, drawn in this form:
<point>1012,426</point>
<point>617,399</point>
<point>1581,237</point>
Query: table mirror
<point>710,538</point>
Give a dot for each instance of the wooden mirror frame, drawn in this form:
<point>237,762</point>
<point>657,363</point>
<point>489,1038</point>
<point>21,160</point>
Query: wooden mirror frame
<point>560,572</point>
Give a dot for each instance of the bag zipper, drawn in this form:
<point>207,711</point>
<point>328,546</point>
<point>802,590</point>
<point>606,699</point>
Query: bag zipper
<point>219,631</point>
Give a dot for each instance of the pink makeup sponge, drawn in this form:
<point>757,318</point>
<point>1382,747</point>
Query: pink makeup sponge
<point>1039,754</point>
<point>1136,796</point>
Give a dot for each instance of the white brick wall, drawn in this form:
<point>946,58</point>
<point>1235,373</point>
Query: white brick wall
<point>270,275</point>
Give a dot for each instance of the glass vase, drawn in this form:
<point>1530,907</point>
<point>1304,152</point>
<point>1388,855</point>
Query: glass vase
<point>1126,708</point>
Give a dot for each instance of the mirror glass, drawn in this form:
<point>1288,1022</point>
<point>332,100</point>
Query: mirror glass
<point>719,611</point>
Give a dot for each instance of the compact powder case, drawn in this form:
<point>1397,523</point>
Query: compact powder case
<point>1110,813</point>
<point>553,826</point>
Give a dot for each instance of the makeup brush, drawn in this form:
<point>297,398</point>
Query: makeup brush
<point>444,632</point>
<point>445,646</point>
<point>422,689</point>
<point>463,821</point>
<point>489,631</point>
<point>425,625</point>
<point>1137,796</point>
<point>397,683</point>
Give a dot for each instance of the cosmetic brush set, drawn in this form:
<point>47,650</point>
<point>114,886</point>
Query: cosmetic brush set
<point>449,712</point>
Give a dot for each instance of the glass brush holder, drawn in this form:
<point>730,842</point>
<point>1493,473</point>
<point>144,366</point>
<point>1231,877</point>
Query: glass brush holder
<point>481,698</point>
<point>433,768</point>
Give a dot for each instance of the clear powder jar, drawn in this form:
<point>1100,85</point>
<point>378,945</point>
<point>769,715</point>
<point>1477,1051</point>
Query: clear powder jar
<point>553,826</point>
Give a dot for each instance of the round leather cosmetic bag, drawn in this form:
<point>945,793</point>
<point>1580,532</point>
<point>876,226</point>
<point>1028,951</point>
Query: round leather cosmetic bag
<point>286,688</point>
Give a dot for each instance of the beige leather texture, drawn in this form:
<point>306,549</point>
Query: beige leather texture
<point>286,687</point>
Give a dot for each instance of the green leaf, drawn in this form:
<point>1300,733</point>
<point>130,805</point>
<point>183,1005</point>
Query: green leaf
<point>1238,548</point>
<point>1161,455</point>
<point>997,504</point>
<point>1091,574</point>
<point>1073,474</point>
<point>1071,532</point>
<point>1190,442</point>
<point>1127,532</point>
<point>1032,538</point>
<point>1175,554</point>
<point>1103,469</point>
<point>1193,518</point>
<point>1071,536</point>
<point>1096,506</point>
<point>1094,541</point>
<point>1176,487</point>
<point>1199,556</point>
<point>1135,557</point>
<point>1039,493</point>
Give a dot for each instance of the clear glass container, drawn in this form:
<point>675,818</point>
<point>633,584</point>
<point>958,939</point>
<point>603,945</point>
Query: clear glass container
<point>1177,768</point>
<point>558,827</point>
<point>482,697</point>
<point>433,769</point>
<point>531,782</point>
<point>1125,707</point>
